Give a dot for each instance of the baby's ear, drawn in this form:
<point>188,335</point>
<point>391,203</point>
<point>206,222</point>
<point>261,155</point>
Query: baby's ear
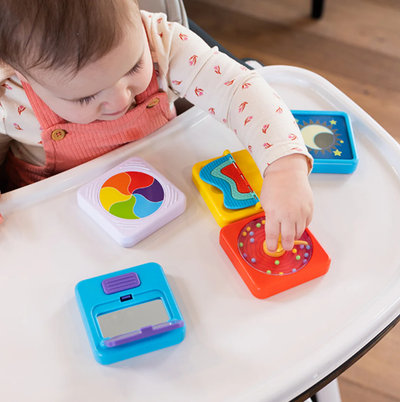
<point>21,76</point>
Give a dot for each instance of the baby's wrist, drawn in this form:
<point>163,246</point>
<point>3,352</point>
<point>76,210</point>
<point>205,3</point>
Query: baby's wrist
<point>291,163</point>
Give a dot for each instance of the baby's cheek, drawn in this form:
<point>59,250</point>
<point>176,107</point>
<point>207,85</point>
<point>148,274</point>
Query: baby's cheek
<point>78,114</point>
<point>146,75</point>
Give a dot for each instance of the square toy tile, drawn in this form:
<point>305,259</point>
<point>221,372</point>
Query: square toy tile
<point>131,201</point>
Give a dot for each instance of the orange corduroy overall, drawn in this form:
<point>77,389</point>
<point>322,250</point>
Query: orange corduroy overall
<point>67,145</point>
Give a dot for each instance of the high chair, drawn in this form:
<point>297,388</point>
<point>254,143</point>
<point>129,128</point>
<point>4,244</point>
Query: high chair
<point>290,347</point>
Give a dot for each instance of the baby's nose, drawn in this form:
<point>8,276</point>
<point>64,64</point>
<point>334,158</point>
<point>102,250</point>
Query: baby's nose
<point>120,99</point>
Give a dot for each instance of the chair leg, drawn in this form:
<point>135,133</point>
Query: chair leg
<point>317,8</point>
<point>329,394</point>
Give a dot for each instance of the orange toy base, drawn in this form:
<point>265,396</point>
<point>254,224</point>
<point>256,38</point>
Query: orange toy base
<point>264,275</point>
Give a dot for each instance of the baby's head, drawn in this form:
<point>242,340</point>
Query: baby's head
<point>86,59</point>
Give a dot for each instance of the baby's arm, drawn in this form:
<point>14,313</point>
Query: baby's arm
<point>244,102</point>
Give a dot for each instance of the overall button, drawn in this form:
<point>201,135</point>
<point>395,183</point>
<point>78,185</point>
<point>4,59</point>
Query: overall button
<point>153,103</point>
<point>58,134</point>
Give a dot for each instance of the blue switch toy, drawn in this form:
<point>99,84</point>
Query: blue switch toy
<point>129,313</point>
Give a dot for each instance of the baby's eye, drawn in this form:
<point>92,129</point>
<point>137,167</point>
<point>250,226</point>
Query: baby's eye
<point>137,67</point>
<point>86,100</point>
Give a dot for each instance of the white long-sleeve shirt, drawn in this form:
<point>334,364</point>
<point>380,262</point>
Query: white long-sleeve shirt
<point>186,67</point>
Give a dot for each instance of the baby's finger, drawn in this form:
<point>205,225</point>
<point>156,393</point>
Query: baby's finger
<point>272,228</point>
<point>300,228</point>
<point>308,220</point>
<point>288,232</point>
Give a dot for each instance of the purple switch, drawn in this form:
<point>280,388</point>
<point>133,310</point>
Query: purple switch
<point>120,283</point>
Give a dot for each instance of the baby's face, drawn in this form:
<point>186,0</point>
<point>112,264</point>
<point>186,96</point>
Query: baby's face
<point>103,90</point>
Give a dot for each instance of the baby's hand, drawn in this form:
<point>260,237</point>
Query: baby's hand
<point>287,200</point>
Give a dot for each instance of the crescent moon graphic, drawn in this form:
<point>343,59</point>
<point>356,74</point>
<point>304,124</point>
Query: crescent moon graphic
<point>317,137</point>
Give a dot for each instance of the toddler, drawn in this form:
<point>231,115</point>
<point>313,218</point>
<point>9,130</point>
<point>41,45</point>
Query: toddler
<point>80,78</point>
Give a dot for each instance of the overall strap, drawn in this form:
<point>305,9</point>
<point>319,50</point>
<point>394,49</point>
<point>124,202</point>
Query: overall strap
<point>46,117</point>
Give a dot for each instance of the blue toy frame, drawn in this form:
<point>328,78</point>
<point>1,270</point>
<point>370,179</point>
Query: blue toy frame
<point>149,283</point>
<point>340,156</point>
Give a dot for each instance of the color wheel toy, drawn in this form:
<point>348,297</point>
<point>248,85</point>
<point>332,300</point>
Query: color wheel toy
<point>329,139</point>
<point>266,273</point>
<point>131,201</point>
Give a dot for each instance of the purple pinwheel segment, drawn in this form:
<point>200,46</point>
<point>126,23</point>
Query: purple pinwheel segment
<point>153,193</point>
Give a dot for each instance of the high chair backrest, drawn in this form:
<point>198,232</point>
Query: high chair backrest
<point>174,9</point>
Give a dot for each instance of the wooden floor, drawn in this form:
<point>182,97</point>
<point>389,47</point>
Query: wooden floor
<point>356,46</point>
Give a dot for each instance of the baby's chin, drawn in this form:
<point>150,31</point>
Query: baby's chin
<point>108,118</point>
<point>88,121</point>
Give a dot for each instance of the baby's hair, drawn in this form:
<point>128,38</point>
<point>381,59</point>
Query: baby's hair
<point>62,35</point>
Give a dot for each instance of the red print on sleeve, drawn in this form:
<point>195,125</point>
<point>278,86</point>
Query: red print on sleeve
<point>292,137</point>
<point>198,91</point>
<point>217,69</point>
<point>183,37</point>
<point>242,106</point>
<point>227,83</point>
<point>265,128</point>
<point>211,110</point>
<point>177,82</point>
<point>193,60</point>
<point>247,119</point>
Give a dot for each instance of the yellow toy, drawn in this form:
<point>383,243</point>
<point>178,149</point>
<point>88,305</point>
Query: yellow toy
<point>214,197</point>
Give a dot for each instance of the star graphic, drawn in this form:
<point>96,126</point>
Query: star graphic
<point>341,141</point>
<point>297,120</point>
<point>333,122</point>
<point>337,153</point>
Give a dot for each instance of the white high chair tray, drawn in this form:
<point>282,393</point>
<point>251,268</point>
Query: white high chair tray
<point>237,347</point>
